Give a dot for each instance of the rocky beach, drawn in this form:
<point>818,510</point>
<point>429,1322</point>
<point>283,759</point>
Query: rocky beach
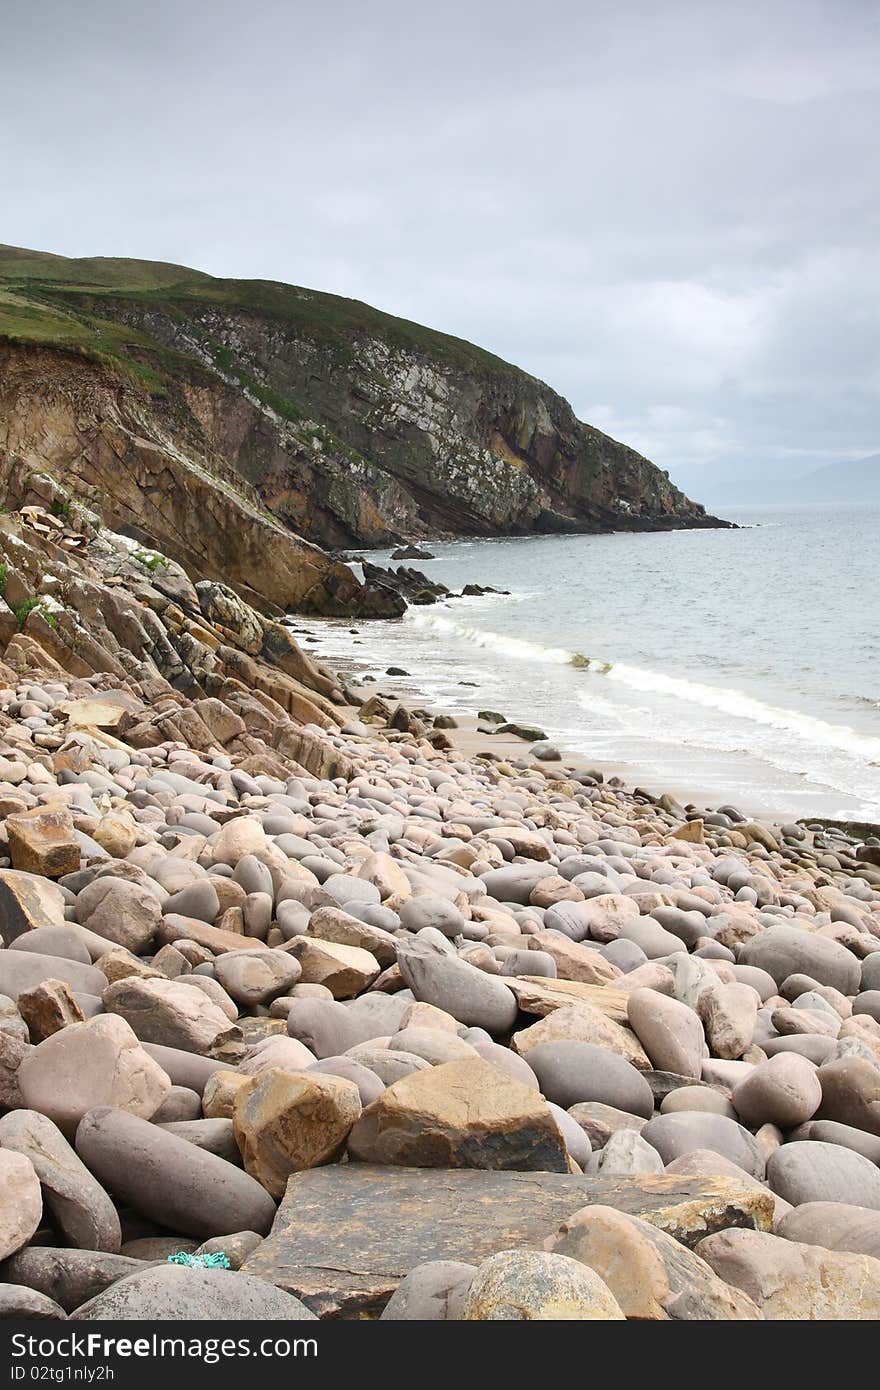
<point>308,1010</point>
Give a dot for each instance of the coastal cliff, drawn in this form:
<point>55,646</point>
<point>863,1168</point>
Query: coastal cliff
<point>189,410</point>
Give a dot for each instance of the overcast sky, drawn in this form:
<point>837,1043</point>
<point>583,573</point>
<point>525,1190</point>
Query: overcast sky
<point>667,210</point>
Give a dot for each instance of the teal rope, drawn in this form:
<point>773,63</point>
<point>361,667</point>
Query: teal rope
<point>218,1261</point>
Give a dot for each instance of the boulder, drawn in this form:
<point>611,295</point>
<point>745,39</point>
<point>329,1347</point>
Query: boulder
<point>286,1121</point>
<point>652,1276</point>
<point>815,1172</point>
<point>91,1064</point>
<point>21,1201</point>
<point>174,1183</point>
<point>126,913</point>
<point>432,1292</point>
<point>173,1293</point>
<point>342,1263</point>
<point>571,1072</point>
<point>834,1226</point>
<point>670,1032</point>
<point>256,977</point>
<point>435,974</point>
<point>81,1210</point>
<point>535,1286</point>
<point>792,1281</point>
<point>69,1277</point>
<point>784,951</point>
<point>170,1013</point>
<point>42,841</point>
<point>681,1133</point>
<point>464,1114</point>
<point>344,970</point>
<point>783,1091</point>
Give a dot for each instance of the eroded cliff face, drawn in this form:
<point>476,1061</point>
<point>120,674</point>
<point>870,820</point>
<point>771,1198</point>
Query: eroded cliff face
<point>242,425</point>
<point>370,441</point>
<point>142,463</point>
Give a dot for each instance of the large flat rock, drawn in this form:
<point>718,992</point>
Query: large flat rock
<point>345,1235</point>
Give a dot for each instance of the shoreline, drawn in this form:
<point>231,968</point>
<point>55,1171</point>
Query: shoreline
<point>471,742</point>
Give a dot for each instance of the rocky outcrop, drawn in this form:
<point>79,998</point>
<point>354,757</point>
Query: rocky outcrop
<point>146,474</point>
<point>263,410</point>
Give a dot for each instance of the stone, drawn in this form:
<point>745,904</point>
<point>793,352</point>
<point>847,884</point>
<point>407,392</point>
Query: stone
<point>286,1121</point>
<point>236,1247</point>
<point>784,1091</point>
<point>815,1172</point>
<point>388,1066</point>
<point>627,1152</point>
<point>571,1072</point>
<point>370,1087</point>
<point>171,1293</point>
<point>697,1098</point>
<point>332,924</point>
<point>13,1049</point>
<point>180,1104</point>
<point>81,1210</point>
<point>185,1068</point>
<point>28,902</point>
<point>215,1136</point>
<point>535,1286</point>
<point>830,1132</point>
<point>24,970</point>
<point>784,951</point>
<point>344,970</point>
<point>652,1276</point>
<point>464,1114</point>
<point>42,841</point>
<point>706,1163</point>
<point>256,977</point>
<point>66,941</point>
<point>238,838</point>
<point>174,1183</point>
<point>347,1234</point>
<point>580,1022</point>
<point>125,913</point>
<point>117,833</point>
<point>284,1054</point>
<point>218,1100</point>
<point>573,960</point>
<point>791,1281</point>
<point>91,1064</point>
<point>851,1093</point>
<point>170,1013</point>
<point>436,1045</point>
<point>432,1292</point>
<point>729,1013</point>
<point>437,976</point>
<point>17,1302</point>
<point>542,996</point>
<point>834,1226</point>
<point>670,1033</point>
<point>678,1134</point>
<point>600,1121</point>
<point>47,1008</point>
<point>68,1277</point>
<point>21,1202</point>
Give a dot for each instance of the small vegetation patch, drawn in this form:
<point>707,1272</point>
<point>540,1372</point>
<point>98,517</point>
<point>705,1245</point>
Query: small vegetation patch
<point>151,560</point>
<point>24,609</point>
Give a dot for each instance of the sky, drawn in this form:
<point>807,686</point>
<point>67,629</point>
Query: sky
<point>669,211</point>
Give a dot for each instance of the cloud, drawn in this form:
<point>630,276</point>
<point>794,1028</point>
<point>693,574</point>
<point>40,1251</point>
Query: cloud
<point>670,213</point>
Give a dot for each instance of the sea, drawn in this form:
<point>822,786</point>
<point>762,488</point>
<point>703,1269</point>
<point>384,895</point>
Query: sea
<point>728,666</point>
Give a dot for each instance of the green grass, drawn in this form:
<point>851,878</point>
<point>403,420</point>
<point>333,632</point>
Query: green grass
<point>24,609</point>
<point>76,304</point>
<point>4,575</point>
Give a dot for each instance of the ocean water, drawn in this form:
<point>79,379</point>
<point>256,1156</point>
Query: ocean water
<point>735,666</point>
